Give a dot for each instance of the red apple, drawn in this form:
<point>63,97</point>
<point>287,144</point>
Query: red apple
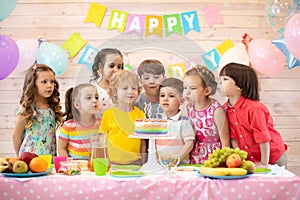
<point>233,160</point>
<point>27,157</point>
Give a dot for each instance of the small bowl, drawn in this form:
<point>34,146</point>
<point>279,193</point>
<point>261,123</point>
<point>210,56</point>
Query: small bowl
<point>69,168</point>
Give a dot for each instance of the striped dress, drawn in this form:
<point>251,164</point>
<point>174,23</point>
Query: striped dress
<point>78,137</point>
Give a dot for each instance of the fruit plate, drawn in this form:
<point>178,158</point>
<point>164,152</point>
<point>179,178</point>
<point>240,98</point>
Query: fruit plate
<point>225,177</point>
<point>261,170</point>
<point>185,169</point>
<point>126,167</point>
<point>126,174</point>
<point>26,175</point>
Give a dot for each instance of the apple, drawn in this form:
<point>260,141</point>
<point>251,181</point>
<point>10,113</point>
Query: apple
<point>3,164</point>
<point>11,162</point>
<point>233,160</point>
<point>20,167</point>
<point>27,157</point>
<point>249,166</point>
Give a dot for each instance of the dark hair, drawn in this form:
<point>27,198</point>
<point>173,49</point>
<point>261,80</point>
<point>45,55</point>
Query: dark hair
<point>29,92</point>
<point>71,95</point>
<point>245,78</point>
<point>206,76</point>
<point>151,66</point>
<point>173,83</point>
<point>100,59</point>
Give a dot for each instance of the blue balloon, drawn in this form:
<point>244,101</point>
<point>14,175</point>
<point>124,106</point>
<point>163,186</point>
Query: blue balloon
<point>6,7</point>
<point>53,56</point>
<point>291,60</point>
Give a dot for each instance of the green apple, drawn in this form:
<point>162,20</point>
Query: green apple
<point>20,167</point>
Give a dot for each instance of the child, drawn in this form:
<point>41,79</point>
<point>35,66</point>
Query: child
<point>151,73</point>
<point>206,114</point>
<point>81,106</point>
<point>40,112</point>
<point>118,121</point>
<point>170,99</point>
<point>106,63</point>
<point>251,125</point>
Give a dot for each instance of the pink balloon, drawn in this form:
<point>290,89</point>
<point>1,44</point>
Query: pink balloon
<point>28,49</point>
<point>9,54</point>
<point>265,57</point>
<point>292,35</point>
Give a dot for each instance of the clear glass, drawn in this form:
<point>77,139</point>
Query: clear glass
<point>98,148</point>
<point>168,160</point>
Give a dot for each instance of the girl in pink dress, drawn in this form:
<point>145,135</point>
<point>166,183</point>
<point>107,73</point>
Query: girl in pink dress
<point>206,114</point>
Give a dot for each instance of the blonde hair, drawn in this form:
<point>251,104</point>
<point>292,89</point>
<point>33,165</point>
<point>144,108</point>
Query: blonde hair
<point>206,76</point>
<point>120,76</point>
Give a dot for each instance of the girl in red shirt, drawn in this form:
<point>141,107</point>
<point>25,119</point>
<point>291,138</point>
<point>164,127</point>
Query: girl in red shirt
<point>250,123</point>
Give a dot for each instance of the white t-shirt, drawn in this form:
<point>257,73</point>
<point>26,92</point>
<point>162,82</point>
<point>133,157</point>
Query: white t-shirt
<point>181,131</point>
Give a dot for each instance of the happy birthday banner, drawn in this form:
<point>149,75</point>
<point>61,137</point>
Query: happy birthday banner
<point>124,22</point>
<point>127,23</point>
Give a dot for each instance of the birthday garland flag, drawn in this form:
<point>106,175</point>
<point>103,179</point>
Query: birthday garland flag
<point>74,44</point>
<point>172,24</point>
<point>118,20</point>
<point>190,21</point>
<point>154,25</point>
<point>135,24</point>
<point>96,14</point>
<point>88,56</point>
<point>213,15</point>
<point>224,46</point>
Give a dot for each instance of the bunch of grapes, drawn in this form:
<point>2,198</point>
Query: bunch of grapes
<point>218,157</point>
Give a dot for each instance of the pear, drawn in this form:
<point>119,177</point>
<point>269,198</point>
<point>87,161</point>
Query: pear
<point>20,167</point>
<point>249,166</point>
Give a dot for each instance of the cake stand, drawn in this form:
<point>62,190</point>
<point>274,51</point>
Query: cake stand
<point>151,166</point>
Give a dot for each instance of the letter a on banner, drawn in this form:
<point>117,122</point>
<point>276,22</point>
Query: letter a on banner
<point>135,23</point>
<point>117,20</point>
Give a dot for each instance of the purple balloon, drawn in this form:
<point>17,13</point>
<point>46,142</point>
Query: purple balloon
<point>9,54</point>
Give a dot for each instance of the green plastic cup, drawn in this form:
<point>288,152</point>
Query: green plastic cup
<point>100,166</point>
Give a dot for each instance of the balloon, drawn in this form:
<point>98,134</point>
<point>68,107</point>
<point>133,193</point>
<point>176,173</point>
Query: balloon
<point>292,35</point>
<point>9,54</point>
<point>53,56</point>
<point>236,54</point>
<point>265,57</point>
<point>279,12</point>
<point>28,49</point>
<point>291,60</point>
<point>6,8</point>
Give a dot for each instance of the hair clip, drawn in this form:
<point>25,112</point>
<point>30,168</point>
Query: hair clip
<point>34,66</point>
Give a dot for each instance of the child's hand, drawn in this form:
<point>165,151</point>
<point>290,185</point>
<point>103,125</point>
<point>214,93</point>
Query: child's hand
<point>261,165</point>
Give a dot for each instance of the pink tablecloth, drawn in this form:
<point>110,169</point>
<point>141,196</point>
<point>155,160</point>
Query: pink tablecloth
<point>175,186</point>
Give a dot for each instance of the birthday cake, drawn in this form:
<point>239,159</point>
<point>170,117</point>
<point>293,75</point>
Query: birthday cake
<point>151,127</point>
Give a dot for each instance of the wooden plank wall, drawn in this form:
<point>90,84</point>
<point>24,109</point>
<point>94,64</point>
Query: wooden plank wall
<point>56,20</point>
